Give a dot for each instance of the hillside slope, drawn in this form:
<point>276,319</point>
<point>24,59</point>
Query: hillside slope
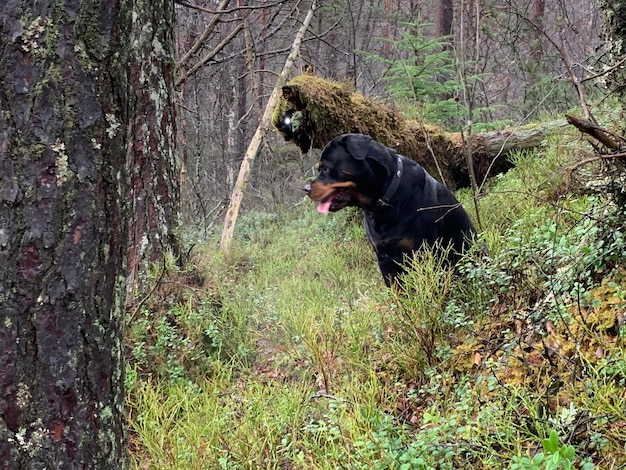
<point>292,354</point>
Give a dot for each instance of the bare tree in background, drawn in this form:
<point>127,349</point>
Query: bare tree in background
<point>537,16</point>
<point>443,22</point>
<point>219,118</point>
<point>262,128</point>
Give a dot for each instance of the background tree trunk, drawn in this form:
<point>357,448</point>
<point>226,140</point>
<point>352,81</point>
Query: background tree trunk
<point>443,19</point>
<point>82,138</point>
<point>615,32</point>
<point>151,139</point>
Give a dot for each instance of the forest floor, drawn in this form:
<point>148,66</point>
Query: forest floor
<point>290,353</point>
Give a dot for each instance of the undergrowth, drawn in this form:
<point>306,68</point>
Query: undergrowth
<point>289,353</point>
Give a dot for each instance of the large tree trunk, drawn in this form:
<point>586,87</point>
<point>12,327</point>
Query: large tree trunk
<point>76,135</point>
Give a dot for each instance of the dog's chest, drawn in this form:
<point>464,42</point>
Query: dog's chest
<point>383,230</point>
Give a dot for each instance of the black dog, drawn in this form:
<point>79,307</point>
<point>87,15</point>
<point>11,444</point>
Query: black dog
<point>404,206</point>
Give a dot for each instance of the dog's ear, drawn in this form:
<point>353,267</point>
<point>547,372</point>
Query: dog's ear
<point>380,158</point>
<point>362,147</point>
<point>357,145</point>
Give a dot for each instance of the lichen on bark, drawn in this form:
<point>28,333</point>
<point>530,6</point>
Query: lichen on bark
<point>63,234</point>
<point>615,36</point>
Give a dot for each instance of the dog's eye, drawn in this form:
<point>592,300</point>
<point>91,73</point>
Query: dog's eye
<point>324,169</point>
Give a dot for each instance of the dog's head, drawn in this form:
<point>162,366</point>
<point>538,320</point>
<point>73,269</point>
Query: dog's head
<point>352,172</point>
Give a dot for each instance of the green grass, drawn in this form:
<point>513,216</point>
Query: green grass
<point>290,353</point>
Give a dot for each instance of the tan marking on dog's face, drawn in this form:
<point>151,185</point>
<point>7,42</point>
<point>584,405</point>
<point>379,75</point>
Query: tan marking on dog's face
<point>320,191</point>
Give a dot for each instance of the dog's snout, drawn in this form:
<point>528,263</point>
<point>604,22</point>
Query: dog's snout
<point>307,188</point>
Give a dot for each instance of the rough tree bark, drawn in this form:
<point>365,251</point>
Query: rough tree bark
<point>151,127</point>
<point>76,135</point>
<point>615,33</point>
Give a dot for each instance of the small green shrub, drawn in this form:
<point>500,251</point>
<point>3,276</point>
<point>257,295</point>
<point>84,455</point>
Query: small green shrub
<point>423,77</point>
<point>419,319</point>
<point>554,456</point>
<point>558,258</point>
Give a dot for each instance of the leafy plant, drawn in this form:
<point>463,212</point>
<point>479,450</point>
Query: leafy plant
<point>555,456</point>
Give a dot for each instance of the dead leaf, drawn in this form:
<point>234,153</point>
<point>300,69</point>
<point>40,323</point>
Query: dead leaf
<point>477,358</point>
<point>600,352</point>
<point>535,359</point>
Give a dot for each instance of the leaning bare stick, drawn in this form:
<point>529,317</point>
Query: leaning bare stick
<point>253,148</point>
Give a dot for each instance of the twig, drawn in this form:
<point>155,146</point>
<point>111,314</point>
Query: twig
<point>222,8</point>
<point>203,37</point>
<point>210,55</point>
<point>149,294</point>
<point>603,72</point>
<point>596,158</point>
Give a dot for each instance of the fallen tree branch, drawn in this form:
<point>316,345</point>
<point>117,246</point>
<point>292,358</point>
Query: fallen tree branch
<point>322,109</point>
<point>595,158</point>
<point>607,138</point>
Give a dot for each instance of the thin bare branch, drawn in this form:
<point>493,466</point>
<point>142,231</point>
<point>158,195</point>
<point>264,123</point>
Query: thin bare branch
<point>604,72</point>
<point>567,62</point>
<point>203,37</point>
<point>210,55</point>
<point>221,10</point>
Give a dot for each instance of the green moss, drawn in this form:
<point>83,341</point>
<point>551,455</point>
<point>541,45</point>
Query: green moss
<point>88,28</point>
<point>334,108</point>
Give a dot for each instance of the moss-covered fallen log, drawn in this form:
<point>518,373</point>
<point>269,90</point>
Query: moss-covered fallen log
<point>320,109</point>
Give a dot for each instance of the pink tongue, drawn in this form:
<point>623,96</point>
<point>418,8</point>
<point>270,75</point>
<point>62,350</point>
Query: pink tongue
<point>324,207</point>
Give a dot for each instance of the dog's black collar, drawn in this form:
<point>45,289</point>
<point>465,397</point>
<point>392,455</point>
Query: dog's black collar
<point>393,186</point>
